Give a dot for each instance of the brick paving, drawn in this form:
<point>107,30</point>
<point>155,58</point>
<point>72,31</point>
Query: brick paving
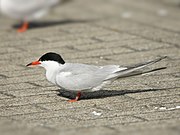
<point>95,32</point>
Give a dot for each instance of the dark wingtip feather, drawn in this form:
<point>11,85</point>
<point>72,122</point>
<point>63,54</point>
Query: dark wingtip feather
<point>147,63</point>
<point>160,58</point>
<point>129,71</point>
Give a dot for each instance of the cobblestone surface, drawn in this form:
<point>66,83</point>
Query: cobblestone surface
<point>97,32</point>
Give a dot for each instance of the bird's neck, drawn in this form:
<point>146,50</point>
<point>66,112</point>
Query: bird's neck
<point>52,69</point>
<point>51,76</point>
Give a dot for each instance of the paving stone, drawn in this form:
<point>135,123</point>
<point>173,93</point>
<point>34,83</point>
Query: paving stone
<point>96,131</point>
<point>4,96</point>
<point>142,104</point>
<point>21,79</point>
<point>98,122</point>
<point>29,100</point>
<point>17,86</point>
<point>6,111</point>
<point>147,127</point>
<point>151,93</point>
<point>9,127</point>
<point>19,73</point>
<point>104,32</point>
<point>161,115</point>
<point>86,103</point>
<point>32,91</point>
<point>11,67</point>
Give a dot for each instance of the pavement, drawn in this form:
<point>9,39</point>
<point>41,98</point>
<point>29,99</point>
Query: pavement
<point>96,32</point>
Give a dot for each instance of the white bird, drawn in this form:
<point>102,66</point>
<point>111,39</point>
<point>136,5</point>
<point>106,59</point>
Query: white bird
<point>82,77</point>
<point>27,10</point>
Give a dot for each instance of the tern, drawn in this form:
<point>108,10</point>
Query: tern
<point>27,10</point>
<point>83,77</point>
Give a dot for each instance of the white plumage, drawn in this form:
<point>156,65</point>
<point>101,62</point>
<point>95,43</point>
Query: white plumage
<point>26,10</point>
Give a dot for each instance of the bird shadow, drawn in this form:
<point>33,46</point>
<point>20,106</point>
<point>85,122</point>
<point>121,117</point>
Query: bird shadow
<point>42,24</point>
<point>102,93</point>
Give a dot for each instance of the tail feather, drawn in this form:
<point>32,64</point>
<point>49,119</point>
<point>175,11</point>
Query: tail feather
<point>133,70</point>
<point>135,73</point>
<point>144,64</point>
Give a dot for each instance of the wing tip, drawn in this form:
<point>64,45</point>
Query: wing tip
<point>160,58</point>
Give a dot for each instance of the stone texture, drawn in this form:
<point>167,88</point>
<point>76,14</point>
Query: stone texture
<point>96,32</point>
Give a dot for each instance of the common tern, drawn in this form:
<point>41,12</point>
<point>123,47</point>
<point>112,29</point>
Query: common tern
<point>27,10</point>
<point>83,77</point>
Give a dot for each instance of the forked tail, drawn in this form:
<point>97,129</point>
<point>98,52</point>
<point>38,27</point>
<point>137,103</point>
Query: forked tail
<point>133,70</point>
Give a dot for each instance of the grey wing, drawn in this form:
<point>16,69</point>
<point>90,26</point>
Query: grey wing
<point>84,77</point>
<point>79,82</point>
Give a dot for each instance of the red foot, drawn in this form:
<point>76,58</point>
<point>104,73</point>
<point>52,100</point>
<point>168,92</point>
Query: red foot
<point>24,27</point>
<point>76,99</point>
<point>72,100</point>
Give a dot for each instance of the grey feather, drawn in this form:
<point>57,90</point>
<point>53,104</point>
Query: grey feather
<point>132,70</point>
<point>84,76</point>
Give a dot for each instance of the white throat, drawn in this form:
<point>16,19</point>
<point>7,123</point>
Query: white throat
<point>52,69</point>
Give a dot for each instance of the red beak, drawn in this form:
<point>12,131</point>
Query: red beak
<point>34,63</point>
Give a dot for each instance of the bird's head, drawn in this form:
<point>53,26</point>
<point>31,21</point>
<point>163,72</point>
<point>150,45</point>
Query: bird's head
<point>48,61</point>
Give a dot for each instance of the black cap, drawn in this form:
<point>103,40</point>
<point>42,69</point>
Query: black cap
<point>53,57</point>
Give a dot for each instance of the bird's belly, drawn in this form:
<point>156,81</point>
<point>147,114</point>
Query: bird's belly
<point>79,86</point>
<point>10,9</point>
<point>71,86</point>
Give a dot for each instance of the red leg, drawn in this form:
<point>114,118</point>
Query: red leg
<point>77,97</point>
<point>24,27</point>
